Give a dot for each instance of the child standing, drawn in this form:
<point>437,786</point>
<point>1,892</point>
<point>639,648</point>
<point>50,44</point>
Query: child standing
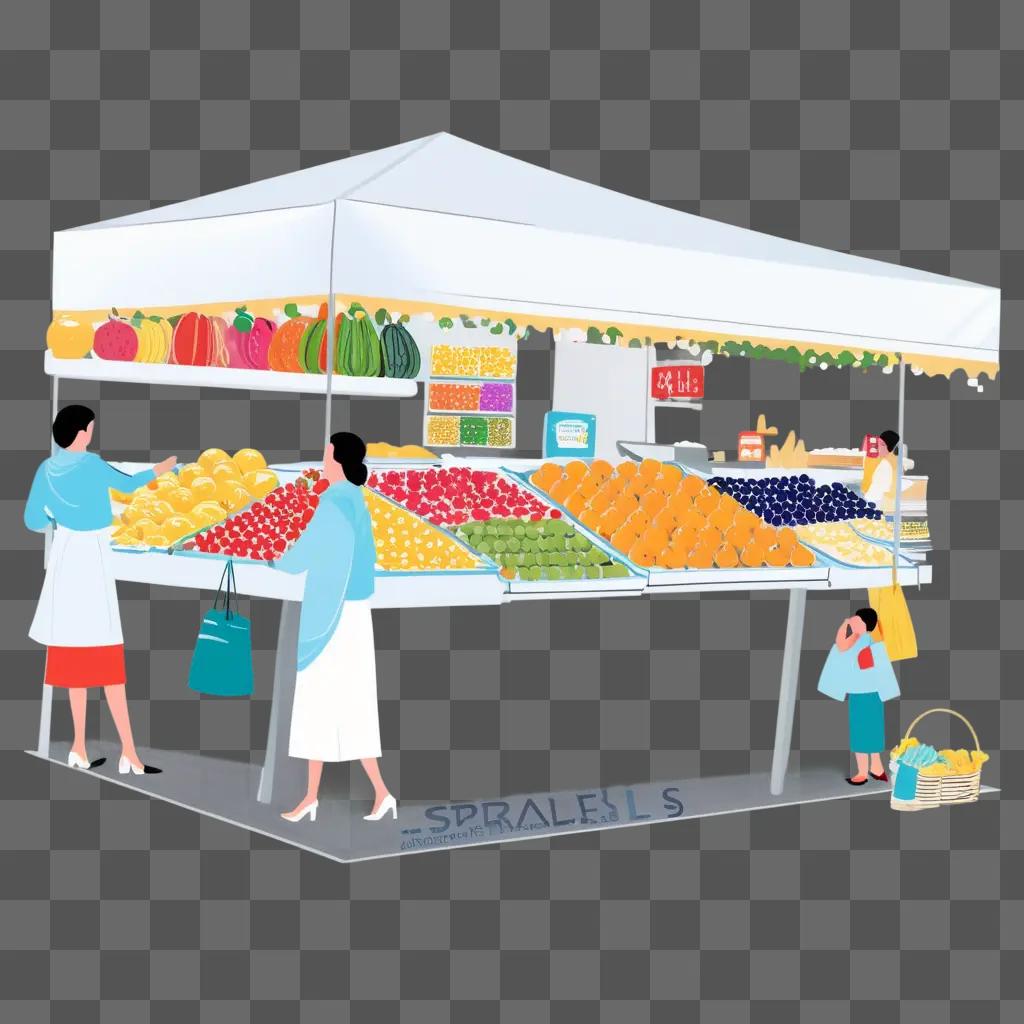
<point>860,669</point>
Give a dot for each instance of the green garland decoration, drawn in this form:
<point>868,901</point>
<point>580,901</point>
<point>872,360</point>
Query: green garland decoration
<point>805,360</point>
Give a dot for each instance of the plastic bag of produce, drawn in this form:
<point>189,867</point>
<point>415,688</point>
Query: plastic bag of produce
<point>895,626</point>
<point>222,660</point>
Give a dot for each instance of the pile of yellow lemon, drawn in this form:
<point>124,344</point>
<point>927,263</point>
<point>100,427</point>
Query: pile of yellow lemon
<point>404,542</point>
<point>951,762</point>
<point>198,495</point>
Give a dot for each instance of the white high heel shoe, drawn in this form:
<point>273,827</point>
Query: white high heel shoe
<point>124,766</point>
<point>309,809</point>
<point>389,803</point>
<point>74,761</point>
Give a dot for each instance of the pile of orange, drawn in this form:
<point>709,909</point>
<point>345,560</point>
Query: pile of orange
<point>658,516</point>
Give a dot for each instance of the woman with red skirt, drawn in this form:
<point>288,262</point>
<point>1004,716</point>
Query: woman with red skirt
<point>77,617</point>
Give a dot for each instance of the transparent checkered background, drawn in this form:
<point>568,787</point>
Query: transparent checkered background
<point>894,130</point>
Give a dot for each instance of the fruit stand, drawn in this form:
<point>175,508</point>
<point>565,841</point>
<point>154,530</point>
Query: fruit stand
<point>349,305</point>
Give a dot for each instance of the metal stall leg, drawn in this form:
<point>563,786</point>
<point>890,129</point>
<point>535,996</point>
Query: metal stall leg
<point>45,712</point>
<point>46,702</point>
<point>275,765</point>
<point>788,688</point>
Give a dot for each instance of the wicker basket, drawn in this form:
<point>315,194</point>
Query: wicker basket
<point>944,789</point>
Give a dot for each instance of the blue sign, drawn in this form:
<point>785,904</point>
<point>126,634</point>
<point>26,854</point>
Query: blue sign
<point>572,434</point>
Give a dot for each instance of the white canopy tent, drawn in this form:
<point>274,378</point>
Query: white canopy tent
<point>445,222</point>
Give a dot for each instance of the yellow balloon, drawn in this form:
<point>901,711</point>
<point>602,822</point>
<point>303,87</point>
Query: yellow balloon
<point>212,456</point>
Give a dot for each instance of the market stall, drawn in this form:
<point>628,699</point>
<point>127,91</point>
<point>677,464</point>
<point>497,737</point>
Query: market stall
<point>372,275</point>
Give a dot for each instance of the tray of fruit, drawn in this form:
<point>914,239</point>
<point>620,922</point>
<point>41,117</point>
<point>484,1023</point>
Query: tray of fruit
<point>409,545</point>
<point>264,530</point>
<point>400,454</point>
<point>189,499</point>
<point>673,526</point>
<point>453,495</point>
<point>405,544</point>
<point>483,507</point>
<point>549,556</point>
<point>914,533</point>
<point>796,500</point>
<point>840,544</point>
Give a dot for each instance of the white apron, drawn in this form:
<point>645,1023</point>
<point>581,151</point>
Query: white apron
<point>78,605</point>
<point>334,714</point>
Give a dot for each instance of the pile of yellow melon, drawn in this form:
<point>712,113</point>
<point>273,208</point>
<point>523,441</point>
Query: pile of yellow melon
<point>659,517</point>
<point>197,495</point>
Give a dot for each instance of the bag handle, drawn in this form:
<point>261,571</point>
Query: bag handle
<point>228,576</point>
<point>945,711</point>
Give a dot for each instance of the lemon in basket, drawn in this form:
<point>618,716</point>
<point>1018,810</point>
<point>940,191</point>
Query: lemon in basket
<point>177,526</point>
<point>134,512</point>
<point>232,495</point>
<point>207,513</point>
<point>189,472</point>
<point>211,457</point>
<point>260,482</point>
<point>226,471</point>
<point>145,528</point>
<point>248,459</point>
<point>181,499</point>
<point>158,540</point>
<point>159,510</point>
<point>204,488</point>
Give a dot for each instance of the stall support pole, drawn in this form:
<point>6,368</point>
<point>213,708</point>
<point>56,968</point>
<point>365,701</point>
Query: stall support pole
<point>46,702</point>
<point>901,454</point>
<point>330,339</point>
<point>275,763</point>
<point>788,688</point>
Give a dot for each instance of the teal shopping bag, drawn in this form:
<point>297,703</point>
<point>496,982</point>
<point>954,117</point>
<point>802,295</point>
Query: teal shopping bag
<point>222,660</point>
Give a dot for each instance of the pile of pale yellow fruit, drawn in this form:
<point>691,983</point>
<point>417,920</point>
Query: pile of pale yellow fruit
<point>190,498</point>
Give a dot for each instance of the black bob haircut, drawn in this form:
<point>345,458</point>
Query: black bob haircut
<point>69,421</point>
<point>869,617</point>
<point>891,439</point>
<point>349,452</point>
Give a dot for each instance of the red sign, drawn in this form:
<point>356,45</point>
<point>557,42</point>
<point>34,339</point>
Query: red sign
<point>677,380</point>
<point>750,446</point>
<point>871,446</point>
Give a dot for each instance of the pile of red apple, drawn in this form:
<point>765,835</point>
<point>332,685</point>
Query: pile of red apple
<point>455,495</point>
<point>267,528</point>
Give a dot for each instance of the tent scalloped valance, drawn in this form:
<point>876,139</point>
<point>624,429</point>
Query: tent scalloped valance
<point>805,355</point>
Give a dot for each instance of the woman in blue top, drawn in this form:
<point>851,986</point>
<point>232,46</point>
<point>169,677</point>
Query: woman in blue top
<point>77,617</point>
<point>860,669</point>
<point>334,714</point>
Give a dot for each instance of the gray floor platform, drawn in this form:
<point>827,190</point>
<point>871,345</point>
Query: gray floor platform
<point>226,790</point>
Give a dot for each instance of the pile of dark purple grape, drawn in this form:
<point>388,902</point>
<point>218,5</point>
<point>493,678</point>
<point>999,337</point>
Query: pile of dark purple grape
<point>795,500</point>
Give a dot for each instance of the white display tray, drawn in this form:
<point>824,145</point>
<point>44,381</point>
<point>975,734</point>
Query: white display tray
<point>226,377</point>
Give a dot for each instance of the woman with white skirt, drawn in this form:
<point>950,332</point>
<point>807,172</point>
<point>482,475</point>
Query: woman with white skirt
<point>77,617</point>
<point>334,713</point>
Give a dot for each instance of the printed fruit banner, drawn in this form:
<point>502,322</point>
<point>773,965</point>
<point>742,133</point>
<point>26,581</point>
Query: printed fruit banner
<point>286,336</point>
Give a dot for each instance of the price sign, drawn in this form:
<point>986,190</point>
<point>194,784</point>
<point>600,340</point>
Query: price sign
<point>871,446</point>
<point>750,446</point>
<point>677,380</point>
